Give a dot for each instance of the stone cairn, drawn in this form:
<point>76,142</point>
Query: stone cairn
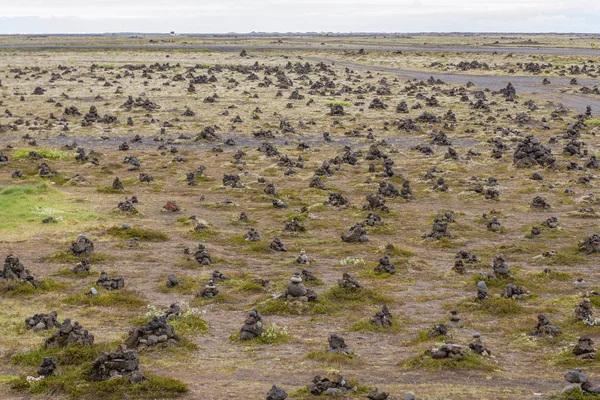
<point>218,276</point>
<point>296,290</point>
<point>83,246</point>
<point>512,291</point>
<point>253,326</point>
<point>545,328</point>
<point>448,350</point>
<point>584,349</point>
<point>110,283</point>
<point>252,235</point>
<point>349,282</point>
<point>335,385</point>
<point>385,266</point>
<point>277,245</point>
<point>382,318</point>
<point>172,281</point>
<point>337,344</point>
<point>121,363</point>
<point>82,267</point>
<point>478,347</point>
<point>201,255</point>
<point>355,234</point>
<point>48,366</point>
<point>14,270</point>
<point>70,334</point>
<point>438,230</point>
<point>307,276</point>
<point>590,244</point>
<point>40,322</point>
<point>210,290</point>
<point>530,152</point>
<point>303,258</point>
<point>584,312</point>
<point>156,331</point>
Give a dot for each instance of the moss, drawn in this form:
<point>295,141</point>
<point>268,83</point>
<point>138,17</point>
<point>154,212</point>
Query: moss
<point>284,307</point>
<point>66,272</point>
<point>272,335</point>
<point>189,323</point>
<point>143,234</point>
<point>70,355</point>
<point>332,358</point>
<point>46,153</point>
<point>498,306</point>
<point>75,384</point>
<point>19,288</point>
<point>122,298</point>
<point>365,325</point>
<point>63,257</point>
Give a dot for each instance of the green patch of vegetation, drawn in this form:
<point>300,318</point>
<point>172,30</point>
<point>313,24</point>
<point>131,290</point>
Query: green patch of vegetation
<point>122,298</point>
<point>498,306</point>
<point>46,153</point>
<point>74,383</point>
<point>338,103</point>
<point>20,288</point>
<point>567,359</point>
<point>202,234</point>
<point>69,355</point>
<point>189,323</point>
<point>143,234</point>
<point>219,298</point>
<point>354,298</point>
<point>568,255</point>
<point>187,285</point>
<point>24,208</point>
<point>66,272</point>
<point>273,335</point>
<point>63,257</point>
<point>365,325</point>
<point>285,307</point>
<point>109,190</point>
<point>470,361</point>
<point>592,122</point>
<point>332,358</point>
<point>575,394</point>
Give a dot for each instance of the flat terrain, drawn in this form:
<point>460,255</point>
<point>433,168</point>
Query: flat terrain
<point>197,104</point>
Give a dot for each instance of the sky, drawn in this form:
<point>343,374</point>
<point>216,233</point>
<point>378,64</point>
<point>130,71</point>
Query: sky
<point>222,16</point>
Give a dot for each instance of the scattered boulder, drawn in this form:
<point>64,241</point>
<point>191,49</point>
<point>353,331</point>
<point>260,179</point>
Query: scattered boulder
<point>40,322</point>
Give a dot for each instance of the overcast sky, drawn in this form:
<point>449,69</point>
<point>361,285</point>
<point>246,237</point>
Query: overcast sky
<point>221,16</point>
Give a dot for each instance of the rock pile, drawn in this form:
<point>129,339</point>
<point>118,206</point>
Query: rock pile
<point>337,344</point>
<point>348,282</point>
<point>40,322</point>
<point>110,283</point>
<point>578,381</point>
<point>253,326</point>
<point>448,350</point>
<point>277,245</point>
<point>69,334</point>
<point>590,244</point>
<point>531,152</point>
<point>382,318</point>
<point>355,234</point>
<point>544,328</point>
<point>478,347</point>
<point>276,393</point>
<point>48,366</point>
<point>438,230</point>
<point>201,255</point>
<point>121,363</point>
<point>584,349</point>
<point>210,290</point>
<point>335,385</point>
<point>385,266</point>
<point>156,331</point>
<point>252,235</point>
<point>512,291</point>
<point>14,270</point>
<point>295,290</point>
<point>83,246</point>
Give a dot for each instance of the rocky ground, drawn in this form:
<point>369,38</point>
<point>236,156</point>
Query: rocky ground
<point>203,181</point>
